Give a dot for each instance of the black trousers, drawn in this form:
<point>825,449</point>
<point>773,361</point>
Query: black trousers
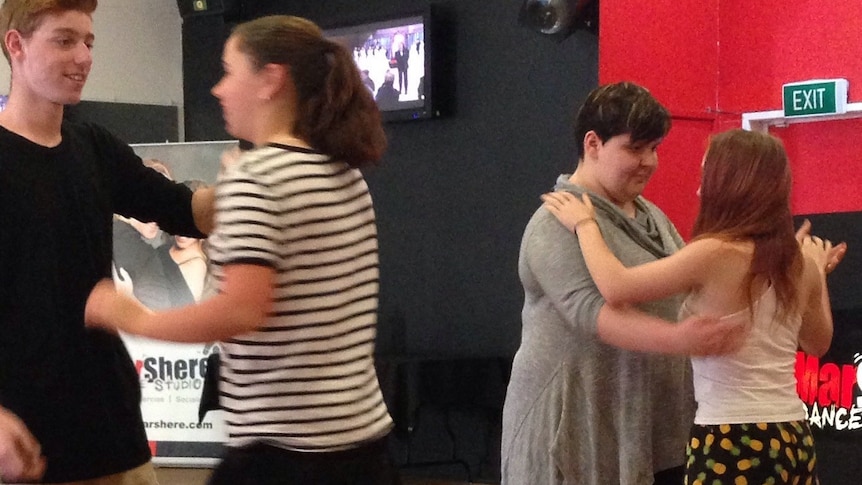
<point>261,464</point>
<point>671,476</point>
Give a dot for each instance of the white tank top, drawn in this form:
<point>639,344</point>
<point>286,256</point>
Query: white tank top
<point>757,383</point>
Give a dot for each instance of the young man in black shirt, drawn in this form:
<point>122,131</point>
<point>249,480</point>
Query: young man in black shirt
<point>76,389</point>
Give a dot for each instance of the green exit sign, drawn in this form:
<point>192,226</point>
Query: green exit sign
<point>817,97</point>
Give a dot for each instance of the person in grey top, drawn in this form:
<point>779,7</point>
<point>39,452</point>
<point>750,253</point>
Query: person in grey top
<point>601,394</point>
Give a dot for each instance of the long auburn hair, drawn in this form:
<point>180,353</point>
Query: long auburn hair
<point>337,114</point>
<point>745,194</point>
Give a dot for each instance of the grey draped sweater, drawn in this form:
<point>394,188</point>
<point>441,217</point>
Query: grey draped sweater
<point>579,411</point>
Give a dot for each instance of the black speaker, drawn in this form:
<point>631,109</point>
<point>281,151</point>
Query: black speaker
<point>192,8</point>
<point>559,19</point>
<point>231,10</point>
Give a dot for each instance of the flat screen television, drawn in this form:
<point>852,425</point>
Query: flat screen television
<point>401,61</point>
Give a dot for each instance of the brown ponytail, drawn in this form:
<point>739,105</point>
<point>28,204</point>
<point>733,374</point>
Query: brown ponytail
<point>336,113</point>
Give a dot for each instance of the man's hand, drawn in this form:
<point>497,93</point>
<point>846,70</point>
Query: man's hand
<point>835,254</point>
<point>203,209</point>
<point>110,309</point>
<point>21,457</point>
<point>712,336</point>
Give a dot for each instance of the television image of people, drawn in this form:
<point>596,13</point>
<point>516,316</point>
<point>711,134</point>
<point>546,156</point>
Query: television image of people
<point>390,56</point>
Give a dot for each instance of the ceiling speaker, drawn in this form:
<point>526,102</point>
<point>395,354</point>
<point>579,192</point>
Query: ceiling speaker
<point>560,18</point>
<point>191,8</point>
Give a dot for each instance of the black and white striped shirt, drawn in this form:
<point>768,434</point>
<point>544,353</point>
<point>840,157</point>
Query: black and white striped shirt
<point>305,380</point>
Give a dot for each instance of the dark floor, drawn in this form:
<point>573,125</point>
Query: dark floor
<point>198,476</point>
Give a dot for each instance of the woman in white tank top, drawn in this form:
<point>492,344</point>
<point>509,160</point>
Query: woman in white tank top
<point>745,264</point>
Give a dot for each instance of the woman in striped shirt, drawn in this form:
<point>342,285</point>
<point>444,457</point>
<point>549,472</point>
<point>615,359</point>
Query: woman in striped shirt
<point>295,258</point>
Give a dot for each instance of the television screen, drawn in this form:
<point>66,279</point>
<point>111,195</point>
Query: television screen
<point>393,58</point>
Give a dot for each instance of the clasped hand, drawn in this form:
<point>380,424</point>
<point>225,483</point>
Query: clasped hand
<point>822,251</point>
<point>20,454</point>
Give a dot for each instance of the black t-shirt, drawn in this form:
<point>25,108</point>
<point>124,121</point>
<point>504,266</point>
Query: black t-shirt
<point>75,388</point>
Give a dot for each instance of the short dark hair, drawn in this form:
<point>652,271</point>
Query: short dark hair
<point>619,109</point>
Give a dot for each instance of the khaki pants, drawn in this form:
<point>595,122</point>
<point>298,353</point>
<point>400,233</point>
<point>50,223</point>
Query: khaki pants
<point>142,475</point>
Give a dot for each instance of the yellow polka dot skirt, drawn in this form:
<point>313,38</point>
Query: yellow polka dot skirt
<point>751,454</point>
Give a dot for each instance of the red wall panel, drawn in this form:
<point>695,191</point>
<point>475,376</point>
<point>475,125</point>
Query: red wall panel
<point>760,51</point>
<point>671,48</point>
<point>722,58</point>
<point>827,169</point>
<point>674,185</point>
<point>668,46</point>
<point>768,43</point>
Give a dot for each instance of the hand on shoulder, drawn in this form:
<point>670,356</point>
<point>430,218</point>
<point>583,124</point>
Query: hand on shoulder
<point>568,209</point>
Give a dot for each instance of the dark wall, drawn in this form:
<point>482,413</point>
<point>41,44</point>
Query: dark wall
<point>132,123</point>
<point>452,194</point>
<point>203,37</point>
